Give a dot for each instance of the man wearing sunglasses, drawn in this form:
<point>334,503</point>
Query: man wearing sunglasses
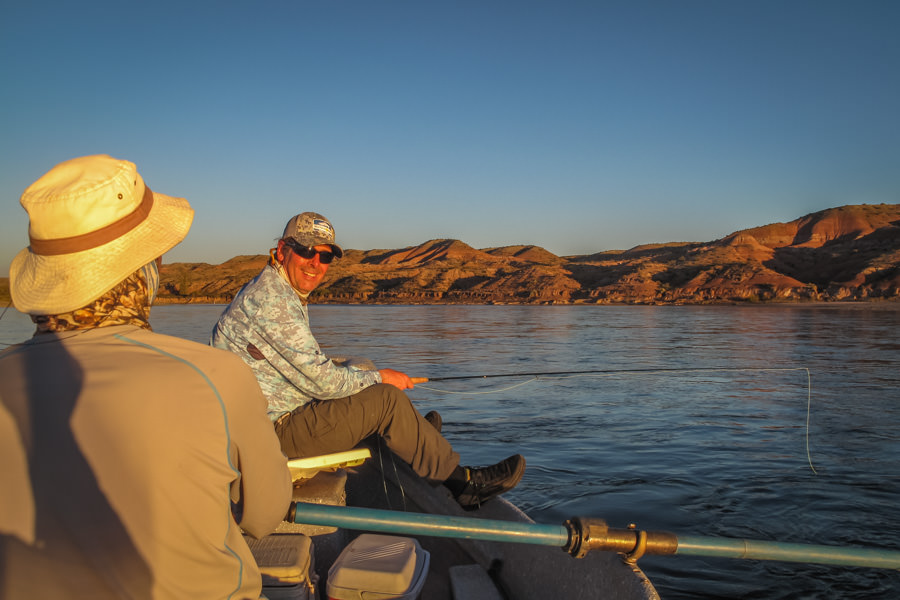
<point>320,407</point>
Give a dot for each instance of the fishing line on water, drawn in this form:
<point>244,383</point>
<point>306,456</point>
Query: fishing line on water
<point>808,410</point>
<point>614,373</point>
<point>496,391</point>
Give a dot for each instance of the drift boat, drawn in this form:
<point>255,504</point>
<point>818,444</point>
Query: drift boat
<point>450,565</point>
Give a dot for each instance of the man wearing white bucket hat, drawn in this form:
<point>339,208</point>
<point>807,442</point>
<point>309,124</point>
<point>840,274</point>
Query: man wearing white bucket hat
<point>132,460</point>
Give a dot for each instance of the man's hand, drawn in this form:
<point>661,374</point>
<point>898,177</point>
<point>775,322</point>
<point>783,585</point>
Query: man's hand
<point>396,379</point>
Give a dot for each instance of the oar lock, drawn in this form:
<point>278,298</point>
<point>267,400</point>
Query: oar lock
<point>586,534</point>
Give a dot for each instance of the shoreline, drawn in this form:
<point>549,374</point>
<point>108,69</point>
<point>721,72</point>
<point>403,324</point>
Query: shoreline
<point>877,302</point>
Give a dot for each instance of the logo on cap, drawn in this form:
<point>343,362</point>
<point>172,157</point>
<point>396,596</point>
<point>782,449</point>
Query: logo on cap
<point>323,228</point>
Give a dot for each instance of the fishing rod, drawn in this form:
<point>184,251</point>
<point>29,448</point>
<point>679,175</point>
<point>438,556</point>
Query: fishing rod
<point>603,372</point>
<point>579,536</point>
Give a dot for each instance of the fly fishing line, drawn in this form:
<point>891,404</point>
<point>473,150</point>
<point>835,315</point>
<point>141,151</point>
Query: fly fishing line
<point>606,373</point>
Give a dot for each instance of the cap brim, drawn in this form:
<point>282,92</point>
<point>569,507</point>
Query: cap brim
<point>311,241</point>
<point>48,285</point>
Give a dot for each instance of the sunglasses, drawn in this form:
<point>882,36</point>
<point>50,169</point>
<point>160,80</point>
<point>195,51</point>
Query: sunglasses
<point>325,256</point>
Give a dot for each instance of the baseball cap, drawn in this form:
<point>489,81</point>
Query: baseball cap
<point>312,229</point>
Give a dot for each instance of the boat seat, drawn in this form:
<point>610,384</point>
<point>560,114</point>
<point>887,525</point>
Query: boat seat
<point>327,487</point>
<point>321,480</point>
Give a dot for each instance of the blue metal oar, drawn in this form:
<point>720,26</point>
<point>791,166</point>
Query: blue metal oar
<point>579,536</point>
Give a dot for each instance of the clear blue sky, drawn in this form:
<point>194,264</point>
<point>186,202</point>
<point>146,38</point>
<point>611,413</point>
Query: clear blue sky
<point>578,126</point>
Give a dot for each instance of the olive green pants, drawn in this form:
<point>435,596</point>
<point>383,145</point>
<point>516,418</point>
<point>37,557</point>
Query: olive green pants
<point>327,426</point>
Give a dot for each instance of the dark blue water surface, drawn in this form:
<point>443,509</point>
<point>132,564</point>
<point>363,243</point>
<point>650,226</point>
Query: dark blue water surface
<point>706,435</point>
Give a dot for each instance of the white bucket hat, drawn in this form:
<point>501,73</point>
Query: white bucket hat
<point>92,222</point>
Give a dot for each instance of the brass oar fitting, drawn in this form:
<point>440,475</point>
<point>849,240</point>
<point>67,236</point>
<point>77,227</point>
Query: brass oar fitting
<point>586,534</point>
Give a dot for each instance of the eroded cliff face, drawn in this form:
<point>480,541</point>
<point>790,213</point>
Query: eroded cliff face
<point>845,253</point>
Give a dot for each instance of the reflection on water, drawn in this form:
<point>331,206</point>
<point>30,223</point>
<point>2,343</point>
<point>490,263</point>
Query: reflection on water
<point>720,453</point>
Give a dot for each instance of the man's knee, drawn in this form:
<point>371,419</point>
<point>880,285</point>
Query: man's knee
<point>391,397</point>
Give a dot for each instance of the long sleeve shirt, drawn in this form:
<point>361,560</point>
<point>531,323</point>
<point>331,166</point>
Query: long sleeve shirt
<point>124,453</point>
<point>267,325</point>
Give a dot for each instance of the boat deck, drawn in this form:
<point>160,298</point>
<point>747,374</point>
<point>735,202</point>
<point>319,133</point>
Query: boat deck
<point>518,570</point>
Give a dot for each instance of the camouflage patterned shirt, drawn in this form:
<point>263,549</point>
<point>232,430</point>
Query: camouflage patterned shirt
<point>268,326</point>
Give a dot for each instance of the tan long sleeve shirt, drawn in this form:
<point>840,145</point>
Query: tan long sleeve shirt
<point>124,455</point>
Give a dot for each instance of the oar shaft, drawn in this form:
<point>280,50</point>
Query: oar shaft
<point>805,553</point>
<point>387,521</point>
<point>580,536</point>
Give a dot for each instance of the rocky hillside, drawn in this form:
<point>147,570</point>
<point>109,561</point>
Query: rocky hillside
<point>845,253</point>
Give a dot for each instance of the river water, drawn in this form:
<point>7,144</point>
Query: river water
<point>778,423</point>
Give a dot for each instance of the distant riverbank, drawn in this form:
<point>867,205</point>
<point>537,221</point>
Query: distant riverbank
<point>872,302</point>
<point>5,300</point>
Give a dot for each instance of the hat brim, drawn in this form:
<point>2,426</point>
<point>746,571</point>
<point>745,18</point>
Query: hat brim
<point>47,285</point>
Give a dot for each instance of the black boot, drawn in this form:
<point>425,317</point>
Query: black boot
<point>482,484</point>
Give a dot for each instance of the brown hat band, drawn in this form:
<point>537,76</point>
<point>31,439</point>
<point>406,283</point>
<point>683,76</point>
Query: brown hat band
<point>94,239</point>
